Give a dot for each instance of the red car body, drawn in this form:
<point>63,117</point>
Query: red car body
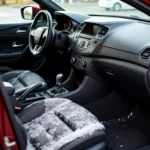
<point>7,135</point>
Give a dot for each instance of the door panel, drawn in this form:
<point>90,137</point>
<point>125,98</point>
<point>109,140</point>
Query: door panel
<point>14,50</point>
<point>13,39</point>
<point>13,45</point>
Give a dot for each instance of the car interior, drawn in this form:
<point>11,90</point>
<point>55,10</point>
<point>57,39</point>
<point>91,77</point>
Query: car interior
<point>77,81</point>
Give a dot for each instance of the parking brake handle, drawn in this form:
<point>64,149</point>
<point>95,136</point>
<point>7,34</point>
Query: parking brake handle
<point>31,89</point>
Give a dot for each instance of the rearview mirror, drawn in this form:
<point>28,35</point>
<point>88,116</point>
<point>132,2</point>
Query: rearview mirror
<point>29,12</point>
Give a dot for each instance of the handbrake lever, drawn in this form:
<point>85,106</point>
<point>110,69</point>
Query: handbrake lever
<point>23,97</point>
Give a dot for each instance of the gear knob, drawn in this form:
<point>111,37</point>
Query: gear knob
<point>59,80</point>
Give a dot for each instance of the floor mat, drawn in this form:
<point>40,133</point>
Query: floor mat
<point>128,135</point>
<point>111,106</point>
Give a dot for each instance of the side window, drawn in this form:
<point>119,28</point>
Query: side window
<point>10,10</point>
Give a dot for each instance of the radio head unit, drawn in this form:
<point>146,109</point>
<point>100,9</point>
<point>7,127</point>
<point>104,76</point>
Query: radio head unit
<point>91,29</point>
<point>88,37</point>
<point>83,42</point>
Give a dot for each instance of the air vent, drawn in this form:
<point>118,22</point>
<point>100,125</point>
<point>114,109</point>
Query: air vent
<point>145,54</point>
<point>81,27</point>
<point>103,31</point>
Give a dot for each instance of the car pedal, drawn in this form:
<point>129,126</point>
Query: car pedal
<point>132,115</point>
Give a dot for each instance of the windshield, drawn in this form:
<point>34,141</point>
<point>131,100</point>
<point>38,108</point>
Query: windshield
<point>101,7</point>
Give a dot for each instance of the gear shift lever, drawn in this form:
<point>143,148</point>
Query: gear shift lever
<point>58,90</point>
<point>59,81</point>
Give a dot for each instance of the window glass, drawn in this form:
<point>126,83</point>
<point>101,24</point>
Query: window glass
<point>10,10</point>
<point>101,7</point>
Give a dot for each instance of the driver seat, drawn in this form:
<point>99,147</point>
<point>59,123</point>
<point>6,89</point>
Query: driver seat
<point>23,79</point>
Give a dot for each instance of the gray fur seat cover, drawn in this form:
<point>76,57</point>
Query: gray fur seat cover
<point>62,123</point>
<point>22,79</point>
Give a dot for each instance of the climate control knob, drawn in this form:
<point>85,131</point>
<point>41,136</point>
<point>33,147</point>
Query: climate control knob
<point>83,64</point>
<point>73,60</point>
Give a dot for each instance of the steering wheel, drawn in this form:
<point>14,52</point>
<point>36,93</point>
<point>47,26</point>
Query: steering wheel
<point>41,34</point>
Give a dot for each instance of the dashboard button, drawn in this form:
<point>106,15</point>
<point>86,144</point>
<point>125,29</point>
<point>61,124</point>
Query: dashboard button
<point>86,44</point>
<point>83,64</point>
<point>73,60</point>
<point>82,43</point>
<point>95,42</point>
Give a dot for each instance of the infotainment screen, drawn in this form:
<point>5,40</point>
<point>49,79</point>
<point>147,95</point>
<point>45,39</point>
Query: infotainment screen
<point>91,29</point>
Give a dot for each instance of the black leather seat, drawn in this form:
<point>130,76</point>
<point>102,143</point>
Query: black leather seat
<point>59,124</point>
<point>22,79</point>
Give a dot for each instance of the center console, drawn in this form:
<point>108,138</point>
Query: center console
<point>86,39</point>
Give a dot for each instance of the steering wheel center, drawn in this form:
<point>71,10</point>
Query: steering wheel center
<point>38,35</point>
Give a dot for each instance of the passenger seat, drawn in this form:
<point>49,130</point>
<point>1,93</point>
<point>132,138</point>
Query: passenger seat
<point>60,124</point>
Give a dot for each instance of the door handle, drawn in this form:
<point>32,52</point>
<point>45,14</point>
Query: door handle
<point>14,45</point>
<point>21,31</point>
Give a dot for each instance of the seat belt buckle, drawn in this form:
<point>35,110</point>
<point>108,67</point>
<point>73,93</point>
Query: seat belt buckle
<point>17,108</point>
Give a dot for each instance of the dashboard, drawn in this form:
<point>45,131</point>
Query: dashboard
<point>65,23</point>
<point>117,48</point>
